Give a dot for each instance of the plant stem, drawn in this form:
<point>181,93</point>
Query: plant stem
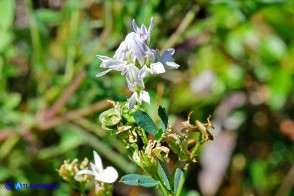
<point>143,136</point>
<point>164,190</point>
<point>195,149</point>
<point>181,185</point>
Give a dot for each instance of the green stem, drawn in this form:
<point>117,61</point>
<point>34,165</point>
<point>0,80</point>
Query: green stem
<point>108,189</point>
<point>143,136</point>
<point>195,149</point>
<point>181,185</point>
<point>164,190</point>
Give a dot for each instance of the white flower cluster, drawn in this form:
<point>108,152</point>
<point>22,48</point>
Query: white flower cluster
<point>136,60</point>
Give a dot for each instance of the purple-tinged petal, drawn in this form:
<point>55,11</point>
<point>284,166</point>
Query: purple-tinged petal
<point>144,36</point>
<point>135,26</point>
<point>151,25</point>
<point>138,48</point>
<point>132,100</point>
<point>167,56</point>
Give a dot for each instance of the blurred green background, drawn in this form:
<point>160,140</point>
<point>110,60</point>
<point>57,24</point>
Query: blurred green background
<point>237,63</point>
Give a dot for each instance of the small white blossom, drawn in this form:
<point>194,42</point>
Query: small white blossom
<point>111,64</point>
<point>167,59</point>
<point>107,175</point>
<point>132,47</point>
<point>158,63</point>
<point>142,31</point>
<point>138,97</point>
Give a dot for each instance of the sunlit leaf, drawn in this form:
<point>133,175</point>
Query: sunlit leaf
<point>178,179</point>
<point>139,180</point>
<point>145,121</point>
<point>162,173</point>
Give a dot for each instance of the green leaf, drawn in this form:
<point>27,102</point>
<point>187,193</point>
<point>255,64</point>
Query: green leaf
<point>7,11</point>
<point>130,179</point>
<point>147,181</point>
<point>110,117</point>
<point>145,121</point>
<point>163,118</point>
<point>158,135</point>
<point>163,175</point>
<point>178,180</point>
<point>139,180</point>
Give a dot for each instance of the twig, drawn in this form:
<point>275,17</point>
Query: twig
<point>72,115</point>
<point>58,105</point>
<point>90,126</point>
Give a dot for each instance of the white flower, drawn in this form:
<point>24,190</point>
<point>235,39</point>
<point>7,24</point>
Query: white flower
<point>158,63</point>
<point>138,97</point>
<point>133,79</point>
<point>136,85</point>
<point>132,47</point>
<point>167,59</point>
<point>108,175</point>
<point>111,64</point>
<point>143,33</point>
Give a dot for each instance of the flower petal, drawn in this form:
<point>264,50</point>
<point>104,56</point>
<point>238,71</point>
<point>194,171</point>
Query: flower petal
<point>103,73</point>
<point>95,169</point>
<point>113,64</point>
<point>121,52</point>
<point>167,55</point>
<point>151,25</point>
<point>98,162</point>
<point>85,171</point>
<point>172,65</point>
<point>138,50</point>
<point>135,26</point>
<point>132,73</point>
<point>103,58</point>
<point>131,85</point>
<point>109,175</point>
<point>157,68</point>
<point>144,36</point>
<point>132,100</point>
<point>144,95</point>
<point>144,72</point>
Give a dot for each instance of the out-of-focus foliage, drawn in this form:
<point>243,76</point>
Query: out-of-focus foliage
<point>237,63</point>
